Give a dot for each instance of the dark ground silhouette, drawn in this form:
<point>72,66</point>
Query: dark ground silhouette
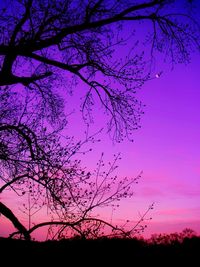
<point>119,252</point>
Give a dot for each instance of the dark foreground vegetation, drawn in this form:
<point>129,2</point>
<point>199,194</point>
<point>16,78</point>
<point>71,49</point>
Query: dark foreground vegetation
<point>160,250</point>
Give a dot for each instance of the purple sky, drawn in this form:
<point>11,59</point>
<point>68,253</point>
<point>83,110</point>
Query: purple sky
<point>166,149</point>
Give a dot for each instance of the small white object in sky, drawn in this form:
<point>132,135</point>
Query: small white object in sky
<point>158,74</point>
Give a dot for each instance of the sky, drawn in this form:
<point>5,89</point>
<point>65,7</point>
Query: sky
<point>165,149</point>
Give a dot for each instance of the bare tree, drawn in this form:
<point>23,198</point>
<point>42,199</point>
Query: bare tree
<point>47,44</point>
<point>35,164</point>
<point>40,40</point>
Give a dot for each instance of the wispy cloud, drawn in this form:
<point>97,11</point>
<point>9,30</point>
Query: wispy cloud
<point>180,212</point>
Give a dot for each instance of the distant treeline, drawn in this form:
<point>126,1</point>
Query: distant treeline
<point>160,250</point>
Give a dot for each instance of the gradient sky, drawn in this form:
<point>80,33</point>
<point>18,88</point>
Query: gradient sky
<point>166,149</point>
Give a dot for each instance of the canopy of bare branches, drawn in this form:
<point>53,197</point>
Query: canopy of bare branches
<point>39,38</point>
<point>46,46</point>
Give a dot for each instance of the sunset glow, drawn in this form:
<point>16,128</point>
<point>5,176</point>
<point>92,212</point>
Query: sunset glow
<point>166,149</point>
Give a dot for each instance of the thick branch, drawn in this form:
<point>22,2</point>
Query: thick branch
<point>74,224</point>
<point>8,127</point>
<point>91,25</point>
<point>9,79</point>
<point>139,7</point>
<point>51,62</point>
<point>21,22</point>
<point>17,224</point>
<point>12,181</point>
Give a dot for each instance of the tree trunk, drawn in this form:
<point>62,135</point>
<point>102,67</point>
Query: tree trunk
<point>9,215</point>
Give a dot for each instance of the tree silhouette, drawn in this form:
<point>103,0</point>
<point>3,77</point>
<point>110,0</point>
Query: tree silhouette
<point>41,165</point>
<point>172,238</point>
<point>35,164</point>
<point>80,38</point>
<point>49,45</point>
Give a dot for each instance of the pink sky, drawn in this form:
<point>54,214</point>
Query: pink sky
<point>166,149</point>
